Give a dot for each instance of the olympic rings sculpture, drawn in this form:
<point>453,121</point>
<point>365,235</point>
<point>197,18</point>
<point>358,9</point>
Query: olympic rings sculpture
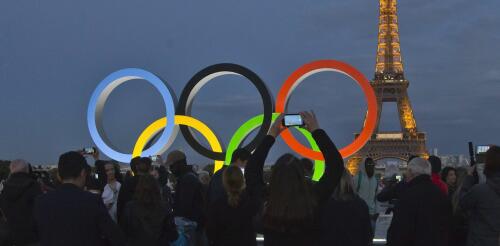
<point>180,115</point>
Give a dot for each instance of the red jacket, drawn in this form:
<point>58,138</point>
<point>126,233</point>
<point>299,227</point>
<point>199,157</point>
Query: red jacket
<point>436,179</point>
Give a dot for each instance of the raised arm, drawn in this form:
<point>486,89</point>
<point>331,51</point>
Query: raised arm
<point>334,164</point>
<point>254,170</point>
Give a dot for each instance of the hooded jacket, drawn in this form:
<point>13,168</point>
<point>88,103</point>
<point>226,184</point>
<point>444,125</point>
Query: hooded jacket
<point>17,201</point>
<point>366,187</point>
<point>482,201</point>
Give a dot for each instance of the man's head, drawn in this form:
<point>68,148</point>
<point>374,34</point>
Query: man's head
<point>72,168</point>
<point>19,166</point>
<point>142,165</point>
<point>240,157</point>
<point>416,167</point>
<point>492,162</point>
<point>177,162</point>
<point>435,164</point>
<point>369,167</point>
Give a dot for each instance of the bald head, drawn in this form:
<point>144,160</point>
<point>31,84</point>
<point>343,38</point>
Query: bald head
<point>19,166</point>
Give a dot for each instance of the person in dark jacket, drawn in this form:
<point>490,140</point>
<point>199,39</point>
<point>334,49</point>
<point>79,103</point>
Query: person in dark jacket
<point>230,217</point>
<point>72,216</point>
<point>291,214</point>
<point>345,217</point>
<point>422,216</point>
<point>449,177</point>
<point>215,188</point>
<point>482,201</point>
<point>17,201</point>
<point>141,166</point>
<point>147,220</point>
<point>188,198</point>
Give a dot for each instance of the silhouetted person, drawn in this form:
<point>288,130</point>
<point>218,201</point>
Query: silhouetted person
<point>449,177</point>
<point>147,220</point>
<point>482,202</point>
<point>291,215</point>
<point>366,185</point>
<point>188,198</point>
<point>142,166</point>
<point>215,188</point>
<point>17,201</point>
<point>422,215</point>
<point>72,216</point>
<point>345,219</point>
<point>230,217</point>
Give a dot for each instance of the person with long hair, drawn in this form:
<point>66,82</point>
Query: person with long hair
<point>111,190</point>
<point>345,217</point>
<point>291,213</point>
<point>449,177</point>
<point>147,219</point>
<point>230,217</point>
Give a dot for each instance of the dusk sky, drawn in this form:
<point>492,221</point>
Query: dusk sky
<point>54,53</point>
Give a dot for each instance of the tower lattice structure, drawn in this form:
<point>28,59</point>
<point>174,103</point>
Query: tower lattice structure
<point>390,85</point>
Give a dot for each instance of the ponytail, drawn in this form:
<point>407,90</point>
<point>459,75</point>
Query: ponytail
<point>234,184</point>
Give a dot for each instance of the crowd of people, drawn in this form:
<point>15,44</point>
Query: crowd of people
<point>148,206</point>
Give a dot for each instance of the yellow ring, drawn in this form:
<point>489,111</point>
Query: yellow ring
<point>159,124</point>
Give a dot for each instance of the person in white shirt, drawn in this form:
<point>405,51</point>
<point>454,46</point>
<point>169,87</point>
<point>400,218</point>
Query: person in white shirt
<point>111,190</point>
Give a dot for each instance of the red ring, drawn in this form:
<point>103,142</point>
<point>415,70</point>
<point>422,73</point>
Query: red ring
<point>308,69</point>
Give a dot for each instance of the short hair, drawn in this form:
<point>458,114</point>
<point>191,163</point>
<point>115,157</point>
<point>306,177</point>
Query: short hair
<point>19,166</point>
<point>492,161</point>
<point>71,164</point>
<point>435,163</point>
<point>176,156</point>
<point>419,166</point>
<point>240,154</point>
<point>141,165</point>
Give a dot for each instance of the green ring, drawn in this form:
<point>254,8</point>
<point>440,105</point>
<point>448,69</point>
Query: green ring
<point>252,124</point>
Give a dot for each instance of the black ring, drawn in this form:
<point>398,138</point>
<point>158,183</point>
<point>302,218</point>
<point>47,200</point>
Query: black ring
<point>197,82</point>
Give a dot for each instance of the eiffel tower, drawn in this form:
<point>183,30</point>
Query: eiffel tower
<point>390,85</point>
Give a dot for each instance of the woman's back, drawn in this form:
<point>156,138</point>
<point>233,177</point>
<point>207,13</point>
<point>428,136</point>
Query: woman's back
<point>148,226</point>
<point>228,225</point>
<point>345,222</point>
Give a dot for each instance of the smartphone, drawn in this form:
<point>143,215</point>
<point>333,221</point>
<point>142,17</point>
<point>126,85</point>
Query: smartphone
<point>89,151</point>
<point>481,149</point>
<point>96,176</point>
<point>293,120</point>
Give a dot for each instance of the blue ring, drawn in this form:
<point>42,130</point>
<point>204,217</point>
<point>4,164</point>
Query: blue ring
<point>101,94</point>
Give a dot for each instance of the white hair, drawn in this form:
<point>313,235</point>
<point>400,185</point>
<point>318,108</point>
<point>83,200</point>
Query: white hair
<point>419,166</point>
<point>19,166</point>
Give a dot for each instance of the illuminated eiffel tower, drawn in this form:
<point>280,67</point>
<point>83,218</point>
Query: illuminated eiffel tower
<point>390,85</point>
